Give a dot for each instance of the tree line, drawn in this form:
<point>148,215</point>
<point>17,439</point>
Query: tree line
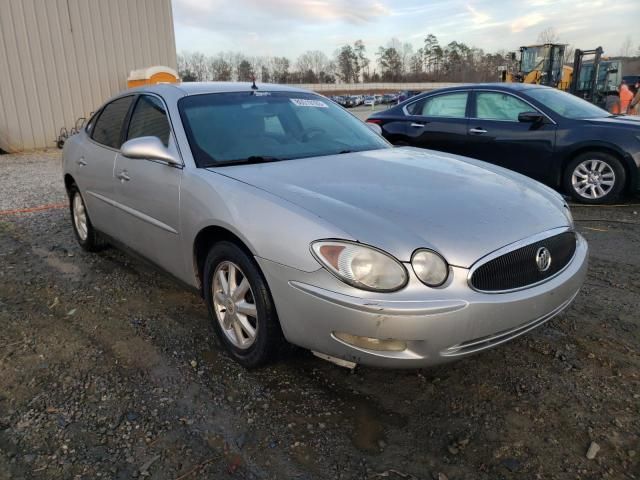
<point>394,62</point>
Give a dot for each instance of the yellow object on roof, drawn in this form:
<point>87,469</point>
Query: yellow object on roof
<point>151,76</point>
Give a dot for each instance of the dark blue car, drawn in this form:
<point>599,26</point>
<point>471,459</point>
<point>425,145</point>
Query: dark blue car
<point>541,132</point>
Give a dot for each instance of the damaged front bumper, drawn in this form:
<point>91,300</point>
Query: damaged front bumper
<point>417,326</point>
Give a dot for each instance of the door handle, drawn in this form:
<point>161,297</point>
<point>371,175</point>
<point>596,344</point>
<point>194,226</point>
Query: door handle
<point>123,176</point>
<point>81,162</point>
<point>477,130</point>
<point>417,125</point>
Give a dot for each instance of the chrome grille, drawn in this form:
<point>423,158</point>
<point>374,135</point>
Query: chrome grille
<point>518,268</point>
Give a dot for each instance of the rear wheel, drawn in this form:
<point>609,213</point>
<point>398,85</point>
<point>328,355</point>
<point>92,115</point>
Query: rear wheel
<point>88,238</point>
<point>240,306</point>
<point>595,177</point>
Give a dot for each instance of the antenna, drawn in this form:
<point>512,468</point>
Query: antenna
<point>253,85</point>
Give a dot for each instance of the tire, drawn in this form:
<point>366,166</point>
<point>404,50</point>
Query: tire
<point>595,178</point>
<point>88,238</point>
<point>255,305</point>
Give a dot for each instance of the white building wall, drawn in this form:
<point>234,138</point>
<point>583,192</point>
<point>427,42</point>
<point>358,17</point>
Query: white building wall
<point>61,59</point>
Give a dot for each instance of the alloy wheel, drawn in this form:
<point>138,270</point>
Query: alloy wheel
<point>593,179</point>
<point>234,305</point>
<point>80,217</point>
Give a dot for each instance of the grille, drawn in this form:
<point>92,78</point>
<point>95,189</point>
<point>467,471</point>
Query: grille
<point>518,268</point>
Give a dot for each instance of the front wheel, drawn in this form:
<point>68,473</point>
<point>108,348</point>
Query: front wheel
<point>595,177</point>
<point>240,306</point>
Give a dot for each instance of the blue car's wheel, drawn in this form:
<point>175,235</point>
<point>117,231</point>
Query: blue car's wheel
<point>595,177</point>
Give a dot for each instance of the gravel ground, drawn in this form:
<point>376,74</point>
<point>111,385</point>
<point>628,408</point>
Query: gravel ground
<point>109,370</point>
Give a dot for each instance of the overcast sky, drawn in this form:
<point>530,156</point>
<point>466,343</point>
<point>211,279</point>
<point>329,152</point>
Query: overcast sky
<point>290,27</point>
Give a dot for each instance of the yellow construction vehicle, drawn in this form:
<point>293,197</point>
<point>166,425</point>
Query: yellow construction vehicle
<point>540,64</point>
<point>594,79</point>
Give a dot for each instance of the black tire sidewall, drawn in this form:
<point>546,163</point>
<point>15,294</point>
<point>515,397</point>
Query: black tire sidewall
<point>269,336</point>
<point>613,162</point>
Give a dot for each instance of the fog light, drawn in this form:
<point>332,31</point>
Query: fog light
<point>389,345</point>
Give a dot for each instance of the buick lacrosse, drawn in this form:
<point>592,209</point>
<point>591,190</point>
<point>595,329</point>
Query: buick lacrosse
<point>299,223</point>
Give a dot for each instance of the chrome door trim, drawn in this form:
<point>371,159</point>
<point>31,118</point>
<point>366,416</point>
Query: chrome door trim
<point>142,216</point>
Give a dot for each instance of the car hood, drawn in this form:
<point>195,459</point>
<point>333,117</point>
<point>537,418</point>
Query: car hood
<point>405,198</point>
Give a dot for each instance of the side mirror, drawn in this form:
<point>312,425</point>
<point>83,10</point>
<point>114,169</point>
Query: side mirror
<point>375,128</point>
<point>530,117</point>
<point>148,148</point>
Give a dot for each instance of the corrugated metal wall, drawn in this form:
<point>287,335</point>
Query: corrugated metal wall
<point>61,59</point>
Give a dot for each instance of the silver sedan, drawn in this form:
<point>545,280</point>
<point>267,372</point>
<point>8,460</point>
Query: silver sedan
<point>298,223</point>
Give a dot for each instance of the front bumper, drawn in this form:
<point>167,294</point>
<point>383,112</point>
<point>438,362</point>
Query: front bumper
<point>438,325</point>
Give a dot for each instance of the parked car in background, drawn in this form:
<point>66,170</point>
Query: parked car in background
<point>369,101</point>
<point>406,94</point>
<point>541,132</point>
<point>295,221</point>
<point>387,98</point>
<point>352,101</point>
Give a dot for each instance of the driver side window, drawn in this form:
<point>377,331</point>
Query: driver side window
<point>149,119</point>
<point>499,106</point>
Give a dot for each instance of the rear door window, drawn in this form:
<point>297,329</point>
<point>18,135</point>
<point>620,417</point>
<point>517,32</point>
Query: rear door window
<point>449,105</point>
<point>149,119</point>
<point>108,127</point>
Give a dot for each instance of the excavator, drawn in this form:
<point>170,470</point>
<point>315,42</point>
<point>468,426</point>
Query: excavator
<point>592,77</point>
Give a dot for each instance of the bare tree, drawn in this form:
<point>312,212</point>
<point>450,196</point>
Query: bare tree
<point>312,60</point>
<point>569,54</point>
<point>548,35</point>
<point>627,45</point>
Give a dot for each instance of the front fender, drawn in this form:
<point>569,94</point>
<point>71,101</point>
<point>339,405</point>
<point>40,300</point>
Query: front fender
<point>270,227</point>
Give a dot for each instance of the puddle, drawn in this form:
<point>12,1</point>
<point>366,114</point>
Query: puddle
<point>57,263</point>
<point>369,424</point>
<point>368,430</point>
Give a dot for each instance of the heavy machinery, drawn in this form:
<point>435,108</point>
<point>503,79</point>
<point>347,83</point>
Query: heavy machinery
<point>539,64</point>
<point>595,79</point>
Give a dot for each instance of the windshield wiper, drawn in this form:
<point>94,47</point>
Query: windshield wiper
<point>245,161</point>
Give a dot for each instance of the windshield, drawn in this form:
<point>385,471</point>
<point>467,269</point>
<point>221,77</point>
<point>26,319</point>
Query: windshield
<point>227,128</point>
<point>565,104</point>
<point>533,59</point>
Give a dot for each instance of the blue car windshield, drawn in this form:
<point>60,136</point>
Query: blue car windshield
<point>229,128</point>
<point>565,104</point>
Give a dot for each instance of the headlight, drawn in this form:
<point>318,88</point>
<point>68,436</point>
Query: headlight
<point>430,267</point>
<point>360,266</point>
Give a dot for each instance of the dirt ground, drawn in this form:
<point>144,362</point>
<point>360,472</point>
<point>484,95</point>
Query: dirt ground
<point>109,370</point>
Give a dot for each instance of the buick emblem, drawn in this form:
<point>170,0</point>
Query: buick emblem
<point>543,259</point>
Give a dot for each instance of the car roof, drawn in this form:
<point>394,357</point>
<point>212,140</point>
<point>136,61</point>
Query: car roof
<point>493,86</point>
<point>196,88</point>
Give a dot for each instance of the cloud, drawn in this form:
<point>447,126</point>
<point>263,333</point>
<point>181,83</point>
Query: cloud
<point>217,13</point>
<point>289,27</point>
<point>478,17</point>
<point>526,21</point>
